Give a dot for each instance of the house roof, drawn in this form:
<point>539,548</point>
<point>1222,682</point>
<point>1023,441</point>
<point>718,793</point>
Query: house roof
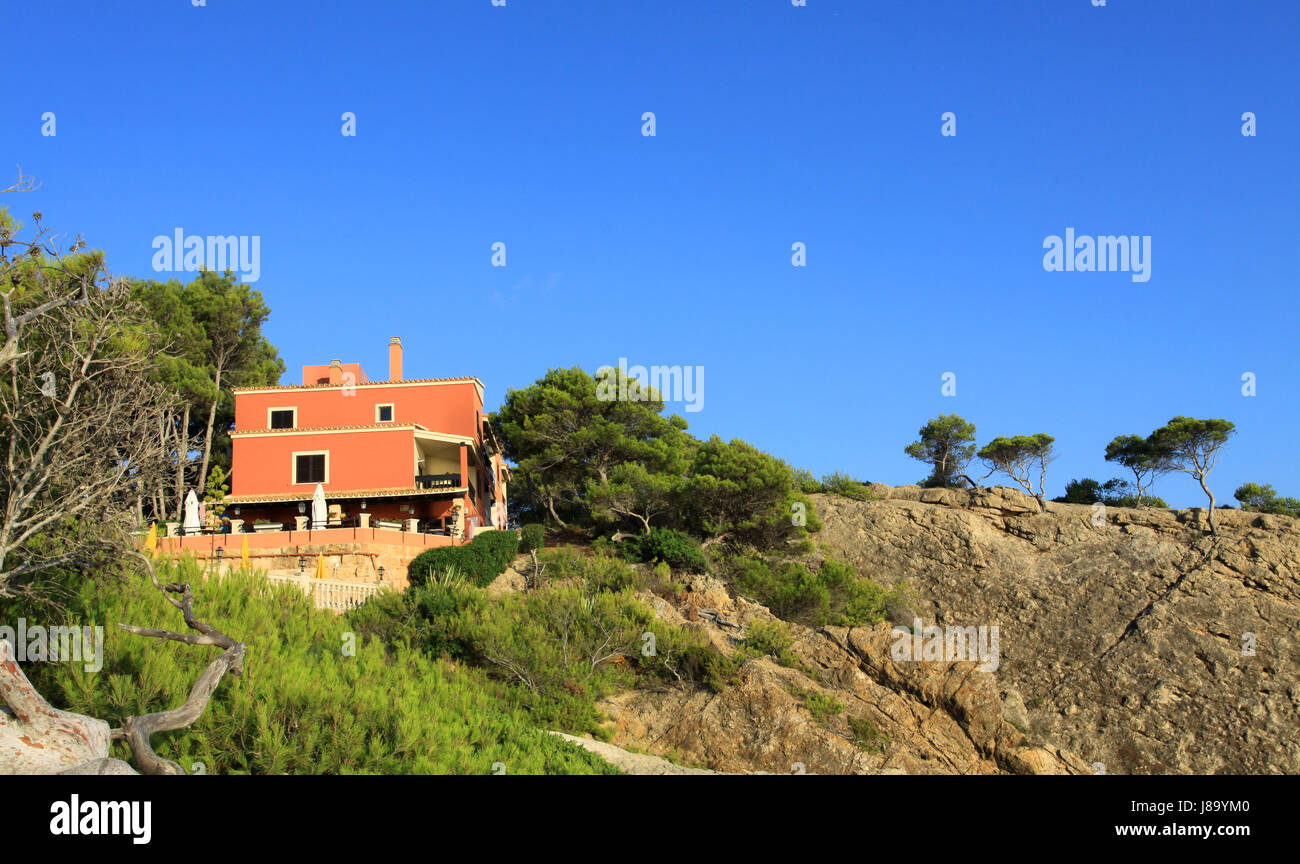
<point>472,379</point>
<point>290,497</point>
<point>301,430</point>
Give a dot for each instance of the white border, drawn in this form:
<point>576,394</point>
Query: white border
<point>293,408</point>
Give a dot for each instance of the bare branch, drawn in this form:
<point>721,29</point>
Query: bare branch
<point>137,730</point>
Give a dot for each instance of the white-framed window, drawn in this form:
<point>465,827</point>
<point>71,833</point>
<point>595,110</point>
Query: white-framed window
<point>384,413</point>
<point>310,466</point>
<point>282,418</point>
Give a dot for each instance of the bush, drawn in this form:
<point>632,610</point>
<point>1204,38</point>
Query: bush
<point>595,572</point>
<point>303,705</point>
<point>805,481</point>
<point>481,560</point>
<point>847,486</point>
<point>611,574</point>
<point>562,647</point>
<point>1264,499</point>
<point>532,537</point>
<point>1113,493</point>
<point>789,590</point>
<point>704,665</point>
<point>768,637</point>
<point>823,707</point>
<point>867,735</point>
<point>1131,501</point>
<point>1085,491</point>
<point>835,594</point>
<point>675,548</point>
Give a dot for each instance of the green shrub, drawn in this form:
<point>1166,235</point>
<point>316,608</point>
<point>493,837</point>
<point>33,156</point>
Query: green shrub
<point>305,703</point>
<point>596,572</point>
<point>822,706</point>
<point>532,537</point>
<point>612,574</point>
<point>1113,493</point>
<point>481,560</point>
<point>867,735</point>
<point>1131,501</point>
<point>805,481</point>
<point>560,648</point>
<point>790,590</point>
<point>835,594</point>
<point>1264,499</point>
<point>1085,491</point>
<point>675,548</point>
<point>768,637</point>
<point>604,546</point>
<point>684,656</point>
<point>848,486</point>
<point>704,665</point>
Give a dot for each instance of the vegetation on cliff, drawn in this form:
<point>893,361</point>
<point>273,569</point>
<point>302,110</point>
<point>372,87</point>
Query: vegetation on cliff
<point>315,697</point>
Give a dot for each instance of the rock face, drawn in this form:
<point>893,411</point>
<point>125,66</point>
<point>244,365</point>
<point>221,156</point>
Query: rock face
<point>1129,642</point>
<point>1128,637</point>
<point>885,716</point>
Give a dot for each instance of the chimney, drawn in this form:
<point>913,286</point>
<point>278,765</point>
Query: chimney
<point>395,359</point>
<point>336,371</point>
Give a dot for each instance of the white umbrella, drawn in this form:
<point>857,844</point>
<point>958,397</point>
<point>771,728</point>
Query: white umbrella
<point>318,507</point>
<point>191,525</point>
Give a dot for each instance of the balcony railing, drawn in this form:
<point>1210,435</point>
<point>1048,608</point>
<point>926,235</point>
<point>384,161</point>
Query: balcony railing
<point>437,481</point>
<point>331,593</point>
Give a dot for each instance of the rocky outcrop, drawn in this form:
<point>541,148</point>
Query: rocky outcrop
<point>1129,642</point>
<point>884,717</point>
<point>1128,637</point>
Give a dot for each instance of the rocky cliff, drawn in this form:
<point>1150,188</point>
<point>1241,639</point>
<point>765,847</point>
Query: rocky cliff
<point>1129,642</point>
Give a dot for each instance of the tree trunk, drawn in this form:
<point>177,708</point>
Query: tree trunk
<point>550,505</point>
<point>207,438</point>
<point>37,738</point>
<point>1214,531</point>
<point>182,456</point>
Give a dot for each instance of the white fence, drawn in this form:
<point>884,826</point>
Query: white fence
<point>331,593</point>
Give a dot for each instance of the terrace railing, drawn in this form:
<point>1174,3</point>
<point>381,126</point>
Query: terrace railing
<point>437,481</point>
<point>331,594</point>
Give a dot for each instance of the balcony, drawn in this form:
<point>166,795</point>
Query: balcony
<point>437,481</point>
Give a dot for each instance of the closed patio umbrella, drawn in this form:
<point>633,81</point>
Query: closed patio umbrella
<point>243,552</point>
<point>318,513</point>
<point>151,540</point>
<point>191,524</point>
<point>320,566</point>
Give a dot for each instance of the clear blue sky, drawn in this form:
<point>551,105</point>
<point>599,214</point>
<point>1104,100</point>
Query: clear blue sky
<point>775,124</point>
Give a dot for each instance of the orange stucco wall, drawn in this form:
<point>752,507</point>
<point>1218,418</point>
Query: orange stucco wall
<point>362,459</point>
<point>452,408</point>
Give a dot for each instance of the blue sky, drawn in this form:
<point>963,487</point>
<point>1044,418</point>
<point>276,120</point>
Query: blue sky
<point>774,124</point>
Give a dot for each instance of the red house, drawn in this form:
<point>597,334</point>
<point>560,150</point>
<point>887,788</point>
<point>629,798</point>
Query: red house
<point>414,454</point>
